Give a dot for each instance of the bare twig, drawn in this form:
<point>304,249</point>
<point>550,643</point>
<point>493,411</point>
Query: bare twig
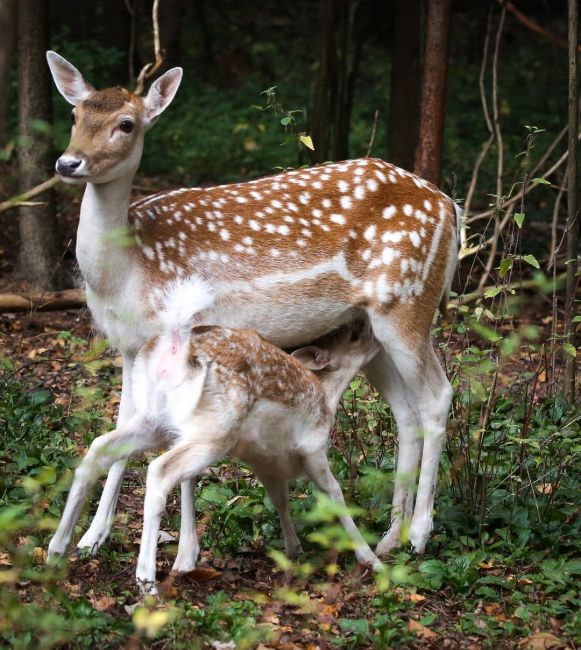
<point>473,296</point>
<point>487,144</point>
<point>150,69</point>
<point>533,26</point>
<point>15,201</point>
<point>523,192</point>
<point>373,130</point>
<point>554,247</point>
<point>500,155</point>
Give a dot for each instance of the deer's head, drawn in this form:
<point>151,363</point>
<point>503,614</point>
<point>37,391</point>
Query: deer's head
<point>108,126</point>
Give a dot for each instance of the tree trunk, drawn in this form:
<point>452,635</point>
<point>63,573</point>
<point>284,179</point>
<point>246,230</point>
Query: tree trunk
<point>39,241</point>
<point>572,205</point>
<point>406,77</point>
<point>339,58</point>
<point>207,57</point>
<point>170,23</point>
<point>7,28</point>
<point>428,163</point>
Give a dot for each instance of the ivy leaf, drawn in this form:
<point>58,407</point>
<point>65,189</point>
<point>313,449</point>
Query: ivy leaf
<point>570,349</point>
<point>491,293</point>
<point>505,266</point>
<point>540,181</point>
<point>532,260</point>
<point>285,121</point>
<point>519,217</point>
<point>307,141</point>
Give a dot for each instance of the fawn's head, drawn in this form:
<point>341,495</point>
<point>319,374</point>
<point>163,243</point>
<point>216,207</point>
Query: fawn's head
<point>108,125</point>
<point>337,356</point>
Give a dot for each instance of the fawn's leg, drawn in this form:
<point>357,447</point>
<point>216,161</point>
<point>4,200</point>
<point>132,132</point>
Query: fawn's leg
<point>317,469</point>
<point>188,547</point>
<point>105,450</point>
<point>277,490</point>
<point>180,464</point>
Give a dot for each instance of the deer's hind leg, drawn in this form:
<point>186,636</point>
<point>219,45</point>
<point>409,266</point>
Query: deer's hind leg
<point>422,395</point>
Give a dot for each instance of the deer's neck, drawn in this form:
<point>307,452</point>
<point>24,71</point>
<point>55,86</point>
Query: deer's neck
<point>335,384</point>
<point>105,252</point>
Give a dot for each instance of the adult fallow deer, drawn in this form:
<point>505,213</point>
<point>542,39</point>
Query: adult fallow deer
<point>294,256</point>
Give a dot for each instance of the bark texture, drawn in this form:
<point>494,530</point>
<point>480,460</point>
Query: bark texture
<point>339,57</point>
<point>428,163</point>
<point>39,240</point>
<point>7,28</point>
<point>572,202</point>
<point>406,77</point>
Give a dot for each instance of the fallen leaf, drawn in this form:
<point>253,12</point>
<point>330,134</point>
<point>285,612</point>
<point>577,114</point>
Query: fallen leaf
<point>103,603</point>
<point>492,608</point>
<point>540,641</point>
<point>165,537</point>
<point>39,554</point>
<point>416,598</point>
<point>421,631</point>
<point>202,575</point>
<point>5,559</point>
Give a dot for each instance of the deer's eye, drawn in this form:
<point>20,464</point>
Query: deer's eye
<point>126,126</point>
<point>73,118</point>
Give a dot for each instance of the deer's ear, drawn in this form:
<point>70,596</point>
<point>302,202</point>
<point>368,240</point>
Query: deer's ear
<point>161,93</point>
<point>69,81</point>
<point>312,357</point>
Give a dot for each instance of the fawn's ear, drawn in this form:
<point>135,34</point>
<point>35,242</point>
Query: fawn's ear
<point>68,80</point>
<point>312,357</point>
<point>161,93</point>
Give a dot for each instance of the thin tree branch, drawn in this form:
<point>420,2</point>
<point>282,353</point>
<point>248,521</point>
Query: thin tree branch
<point>500,148</point>
<point>372,138</point>
<point>533,26</point>
<point>150,69</point>
<point>554,247</point>
<point>19,199</point>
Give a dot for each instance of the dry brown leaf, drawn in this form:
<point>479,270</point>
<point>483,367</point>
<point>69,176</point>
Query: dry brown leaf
<point>202,575</point>
<point>421,631</point>
<point>5,559</point>
<point>415,598</point>
<point>492,608</point>
<point>540,641</point>
<point>39,554</point>
<point>103,603</point>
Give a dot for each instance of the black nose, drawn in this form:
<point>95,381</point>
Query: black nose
<point>66,166</point>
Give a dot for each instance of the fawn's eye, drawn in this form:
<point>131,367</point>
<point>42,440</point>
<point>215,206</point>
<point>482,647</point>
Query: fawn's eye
<point>73,118</point>
<point>126,126</point>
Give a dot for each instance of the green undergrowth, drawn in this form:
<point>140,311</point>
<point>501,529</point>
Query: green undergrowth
<point>504,553</point>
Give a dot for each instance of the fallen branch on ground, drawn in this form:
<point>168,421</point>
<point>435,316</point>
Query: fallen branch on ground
<point>46,301</point>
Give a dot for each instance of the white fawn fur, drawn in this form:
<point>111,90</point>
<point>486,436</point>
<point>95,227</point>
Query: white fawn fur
<point>293,256</point>
<point>221,392</point>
